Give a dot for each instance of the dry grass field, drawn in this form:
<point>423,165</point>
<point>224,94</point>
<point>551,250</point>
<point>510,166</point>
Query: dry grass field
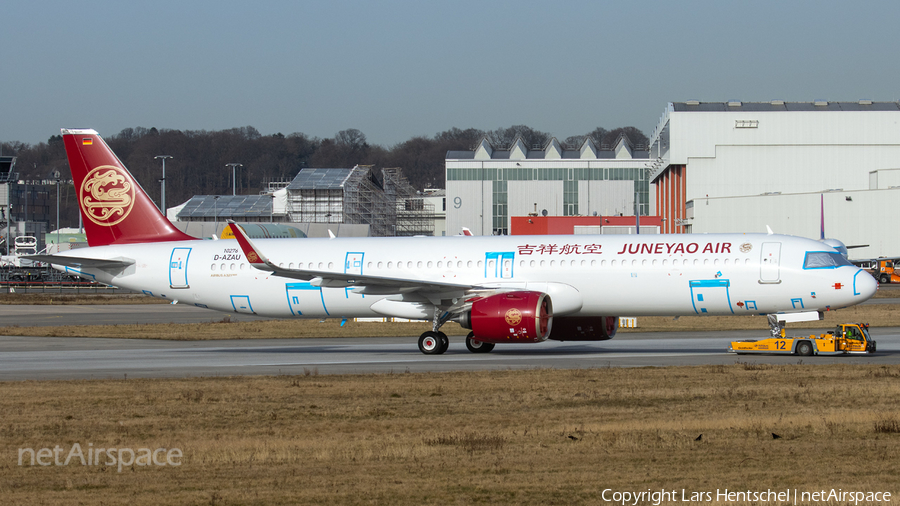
<point>49,299</point>
<point>503,437</point>
<point>508,437</point>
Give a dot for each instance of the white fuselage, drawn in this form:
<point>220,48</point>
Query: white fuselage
<point>633,275</point>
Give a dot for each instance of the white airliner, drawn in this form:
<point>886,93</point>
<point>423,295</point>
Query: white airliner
<point>507,289</point>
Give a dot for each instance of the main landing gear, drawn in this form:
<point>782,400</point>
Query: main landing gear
<point>436,343</point>
<point>476,346</point>
<point>433,343</point>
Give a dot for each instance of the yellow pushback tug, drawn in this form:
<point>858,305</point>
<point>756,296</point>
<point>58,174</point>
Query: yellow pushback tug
<point>846,338</point>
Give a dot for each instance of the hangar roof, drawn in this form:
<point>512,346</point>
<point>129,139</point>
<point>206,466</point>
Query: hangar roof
<point>553,150</point>
<point>320,179</point>
<point>781,106</point>
<point>227,206</point>
<point>500,154</point>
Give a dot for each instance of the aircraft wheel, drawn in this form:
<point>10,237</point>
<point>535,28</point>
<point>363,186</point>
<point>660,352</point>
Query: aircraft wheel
<point>476,346</point>
<point>805,349</point>
<point>431,343</point>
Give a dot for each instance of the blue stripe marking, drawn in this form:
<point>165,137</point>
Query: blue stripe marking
<point>236,299</point>
<point>80,273</point>
<point>179,266</point>
<point>300,286</point>
<point>710,283</point>
<point>303,286</point>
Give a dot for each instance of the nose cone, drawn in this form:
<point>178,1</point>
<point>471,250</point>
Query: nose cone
<point>864,286</point>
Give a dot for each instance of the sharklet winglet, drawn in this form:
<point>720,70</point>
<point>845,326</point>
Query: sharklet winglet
<point>254,256</point>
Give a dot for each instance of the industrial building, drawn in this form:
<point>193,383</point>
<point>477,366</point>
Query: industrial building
<point>739,167</point>
<point>435,199</point>
<point>349,202</point>
<point>25,206</point>
<point>242,208</point>
<point>389,206</point>
<point>584,225</point>
<point>489,185</point>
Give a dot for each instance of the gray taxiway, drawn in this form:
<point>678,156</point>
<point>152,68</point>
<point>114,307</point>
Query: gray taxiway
<point>23,358</point>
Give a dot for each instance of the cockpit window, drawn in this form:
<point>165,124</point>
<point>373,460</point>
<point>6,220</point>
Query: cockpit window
<point>824,260</point>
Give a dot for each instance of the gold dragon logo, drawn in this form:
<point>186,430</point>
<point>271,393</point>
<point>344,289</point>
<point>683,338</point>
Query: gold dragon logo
<point>513,317</point>
<point>107,196</point>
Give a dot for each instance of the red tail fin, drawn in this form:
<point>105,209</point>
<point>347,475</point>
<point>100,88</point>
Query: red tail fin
<point>114,206</point>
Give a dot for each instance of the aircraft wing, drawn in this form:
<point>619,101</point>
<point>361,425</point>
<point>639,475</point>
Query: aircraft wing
<point>367,284</point>
<point>98,263</point>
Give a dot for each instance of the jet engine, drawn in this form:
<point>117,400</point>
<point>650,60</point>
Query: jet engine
<point>584,328</point>
<point>512,317</point>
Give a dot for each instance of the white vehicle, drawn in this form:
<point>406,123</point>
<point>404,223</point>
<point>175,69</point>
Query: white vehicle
<point>506,289</point>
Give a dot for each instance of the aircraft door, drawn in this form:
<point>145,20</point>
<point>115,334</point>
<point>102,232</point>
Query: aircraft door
<point>178,263</point>
<point>769,263</point>
<point>711,296</point>
<point>241,304</point>
<point>305,299</point>
<point>499,264</point>
<point>353,264</point>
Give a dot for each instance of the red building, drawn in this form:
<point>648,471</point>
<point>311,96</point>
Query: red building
<point>565,225</point>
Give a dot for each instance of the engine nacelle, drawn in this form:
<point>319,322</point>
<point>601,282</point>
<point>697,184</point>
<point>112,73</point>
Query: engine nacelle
<point>584,328</point>
<point>513,317</point>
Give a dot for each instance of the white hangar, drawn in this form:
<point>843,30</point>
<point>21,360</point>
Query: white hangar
<point>487,186</point>
<point>738,167</point>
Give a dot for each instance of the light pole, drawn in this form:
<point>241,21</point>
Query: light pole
<point>233,179</point>
<point>216,214</point>
<point>55,175</point>
<point>162,184</point>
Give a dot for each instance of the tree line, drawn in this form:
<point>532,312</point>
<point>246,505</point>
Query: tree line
<point>199,157</point>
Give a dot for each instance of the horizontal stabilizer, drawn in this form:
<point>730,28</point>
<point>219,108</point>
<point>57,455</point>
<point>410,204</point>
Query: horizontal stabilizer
<point>97,263</point>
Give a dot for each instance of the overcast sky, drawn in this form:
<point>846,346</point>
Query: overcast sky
<point>399,69</point>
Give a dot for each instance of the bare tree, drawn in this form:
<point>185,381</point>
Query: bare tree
<point>502,138</point>
<point>574,141</point>
<point>351,138</point>
<point>460,139</point>
<point>634,135</point>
